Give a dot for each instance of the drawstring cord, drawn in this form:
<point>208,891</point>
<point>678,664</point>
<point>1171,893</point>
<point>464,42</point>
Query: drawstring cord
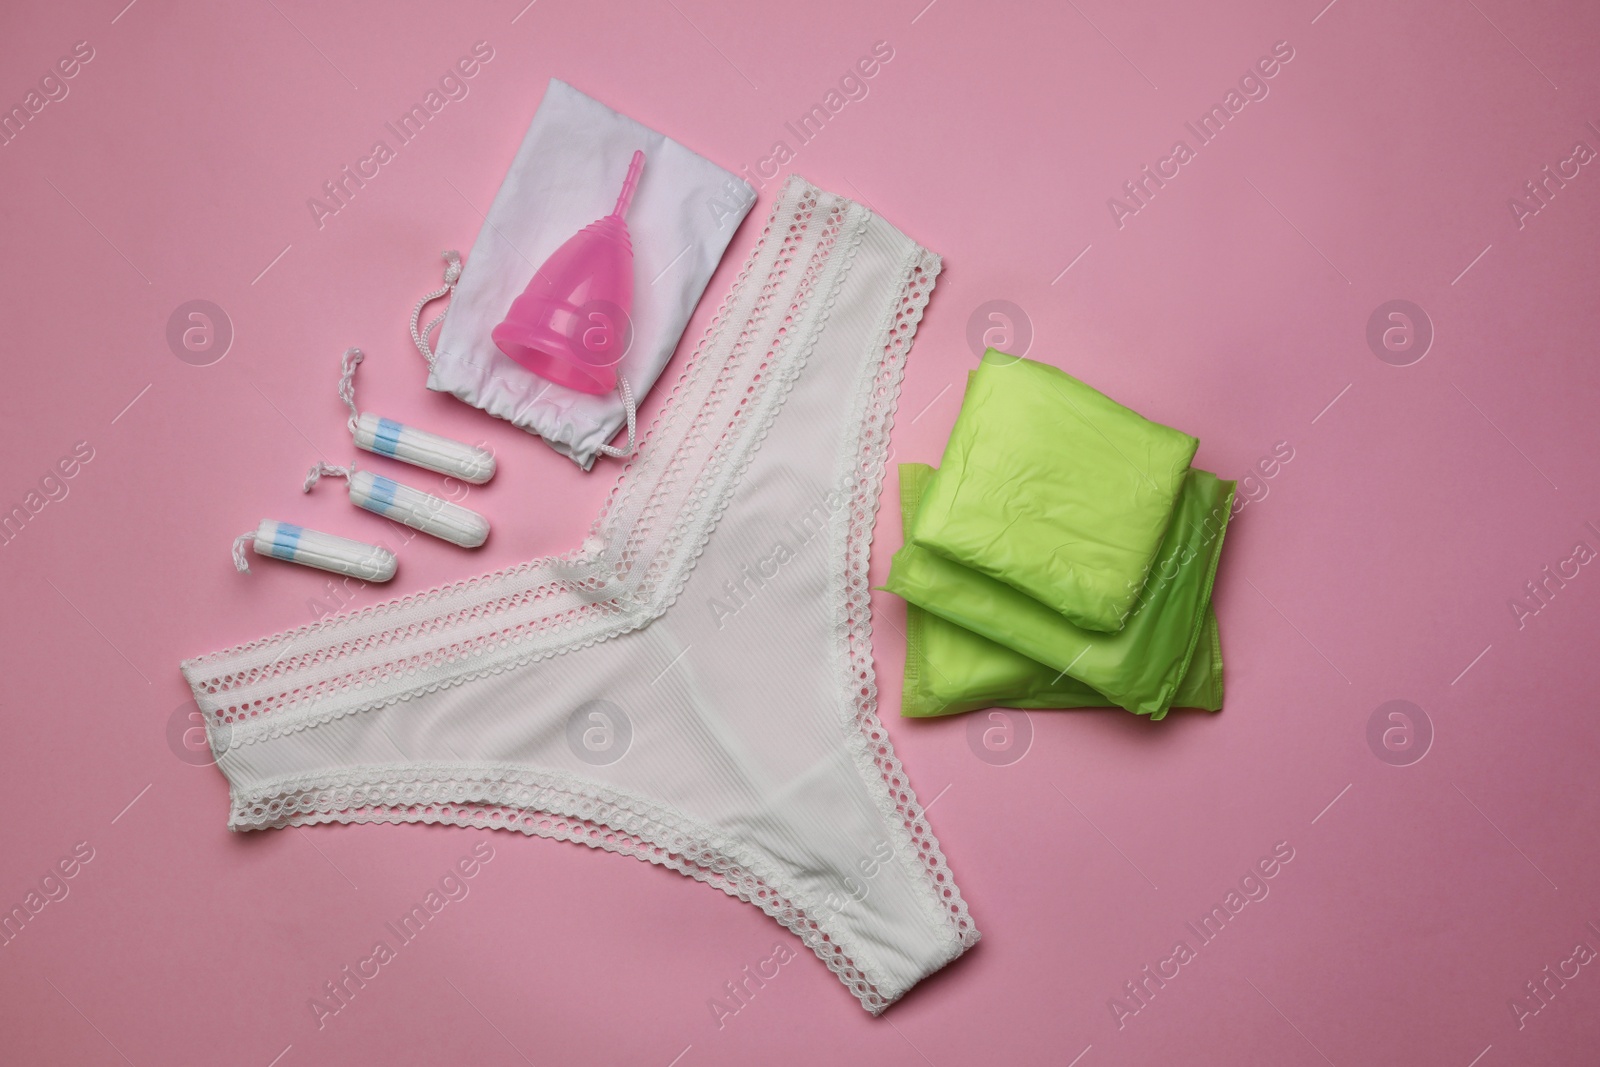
<point>633,419</point>
<point>419,336</point>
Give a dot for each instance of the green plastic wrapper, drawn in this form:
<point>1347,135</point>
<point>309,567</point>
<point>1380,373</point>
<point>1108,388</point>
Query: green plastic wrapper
<point>950,669</point>
<point>1138,668</point>
<point>1055,489</point>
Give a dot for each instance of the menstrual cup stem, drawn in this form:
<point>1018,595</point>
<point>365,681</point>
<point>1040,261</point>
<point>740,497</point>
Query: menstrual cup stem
<point>629,183</point>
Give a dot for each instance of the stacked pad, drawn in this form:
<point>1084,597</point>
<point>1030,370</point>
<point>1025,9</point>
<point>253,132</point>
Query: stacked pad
<point>951,669</point>
<point>1062,555</point>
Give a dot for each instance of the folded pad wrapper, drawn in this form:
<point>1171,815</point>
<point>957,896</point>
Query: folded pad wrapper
<point>950,669</point>
<point>1138,668</point>
<point>1055,489</point>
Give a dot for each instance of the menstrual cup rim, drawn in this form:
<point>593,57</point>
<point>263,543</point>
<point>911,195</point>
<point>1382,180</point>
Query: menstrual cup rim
<point>561,369</point>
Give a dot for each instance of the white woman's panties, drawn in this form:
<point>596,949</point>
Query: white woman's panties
<point>693,685</point>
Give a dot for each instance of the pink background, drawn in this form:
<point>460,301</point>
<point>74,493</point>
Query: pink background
<point>1378,567</point>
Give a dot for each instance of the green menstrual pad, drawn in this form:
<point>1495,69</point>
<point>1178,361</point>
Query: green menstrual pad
<point>1054,489</point>
<point>1138,668</point>
<point>950,669</point>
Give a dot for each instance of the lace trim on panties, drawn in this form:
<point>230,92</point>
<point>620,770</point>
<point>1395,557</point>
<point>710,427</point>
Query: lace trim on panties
<point>478,796</point>
<point>557,806</point>
<point>873,412</point>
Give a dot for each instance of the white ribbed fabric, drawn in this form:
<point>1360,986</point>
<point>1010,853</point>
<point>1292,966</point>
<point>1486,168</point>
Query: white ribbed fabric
<point>694,685</point>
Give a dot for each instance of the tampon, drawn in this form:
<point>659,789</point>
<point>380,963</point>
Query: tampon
<point>386,437</point>
<point>312,548</point>
<point>418,510</point>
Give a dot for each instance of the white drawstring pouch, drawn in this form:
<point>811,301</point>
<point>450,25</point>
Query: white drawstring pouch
<point>564,177</point>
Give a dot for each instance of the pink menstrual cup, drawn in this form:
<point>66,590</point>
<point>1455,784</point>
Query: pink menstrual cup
<point>571,325</point>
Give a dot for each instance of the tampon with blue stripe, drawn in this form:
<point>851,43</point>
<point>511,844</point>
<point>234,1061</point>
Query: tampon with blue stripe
<point>312,548</point>
<point>418,510</point>
<point>386,437</point>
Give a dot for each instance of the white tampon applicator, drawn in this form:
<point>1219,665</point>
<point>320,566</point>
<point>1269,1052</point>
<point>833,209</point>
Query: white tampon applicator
<point>385,437</point>
<point>418,510</point>
<point>312,548</point>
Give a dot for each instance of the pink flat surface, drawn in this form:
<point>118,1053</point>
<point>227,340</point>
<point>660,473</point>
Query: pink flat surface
<point>1376,565</point>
